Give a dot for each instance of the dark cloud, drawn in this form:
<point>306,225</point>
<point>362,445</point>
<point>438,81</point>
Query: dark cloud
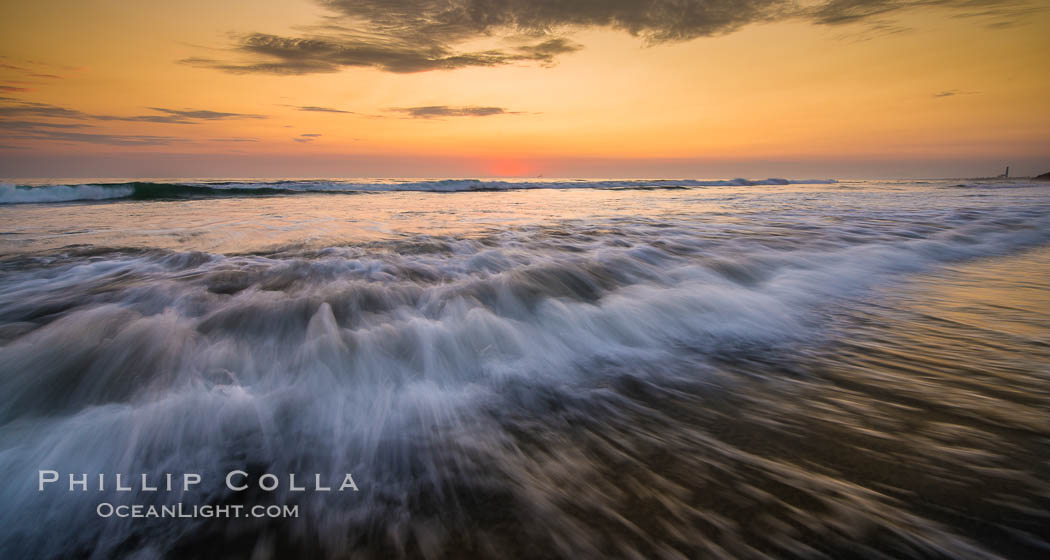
<point>13,89</point>
<point>313,109</point>
<point>653,20</point>
<point>311,135</point>
<point>419,35</point>
<point>290,55</point>
<point>437,111</point>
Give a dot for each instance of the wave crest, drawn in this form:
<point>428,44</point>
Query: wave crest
<point>139,190</point>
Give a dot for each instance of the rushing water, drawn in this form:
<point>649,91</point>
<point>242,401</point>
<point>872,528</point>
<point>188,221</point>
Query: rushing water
<point>571,369</point>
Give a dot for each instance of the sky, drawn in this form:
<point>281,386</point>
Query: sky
<point>489,88</point>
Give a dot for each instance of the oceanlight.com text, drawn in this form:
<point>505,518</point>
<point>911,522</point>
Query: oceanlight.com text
<point>179,510</point>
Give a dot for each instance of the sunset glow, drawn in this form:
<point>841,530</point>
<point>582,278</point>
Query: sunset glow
<point>245,88</point>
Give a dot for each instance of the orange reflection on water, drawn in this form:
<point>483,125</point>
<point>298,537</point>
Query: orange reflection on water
<point>259,223</point>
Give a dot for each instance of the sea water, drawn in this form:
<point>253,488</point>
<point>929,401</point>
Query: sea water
<point>528,369</point>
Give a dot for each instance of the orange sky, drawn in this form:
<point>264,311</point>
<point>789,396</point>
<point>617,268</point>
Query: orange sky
<point>403,88</point>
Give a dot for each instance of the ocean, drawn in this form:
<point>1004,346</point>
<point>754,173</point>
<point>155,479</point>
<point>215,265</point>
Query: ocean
<point>532,368</point>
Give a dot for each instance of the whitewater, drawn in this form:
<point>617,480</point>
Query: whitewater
<point>531,368</point>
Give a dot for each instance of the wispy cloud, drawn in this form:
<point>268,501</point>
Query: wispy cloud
<point>34,125</point>
<point>30,108</point>
<point>313,109</point>
<point>996,12</point>
<point>205,115</point>
<point>26,72</point>
<point>33,120</point>
<point>954,92</point>
<point>439,111</point>
<point>172,116</point>
<point>96,137</point>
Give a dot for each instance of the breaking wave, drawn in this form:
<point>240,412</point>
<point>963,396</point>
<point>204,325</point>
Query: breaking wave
<point>25,194</point>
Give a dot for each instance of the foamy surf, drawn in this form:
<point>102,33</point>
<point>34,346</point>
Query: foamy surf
<point>605,383</point>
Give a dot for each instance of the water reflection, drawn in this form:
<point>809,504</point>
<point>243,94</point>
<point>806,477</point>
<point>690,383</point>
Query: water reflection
<point>795,372</point>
